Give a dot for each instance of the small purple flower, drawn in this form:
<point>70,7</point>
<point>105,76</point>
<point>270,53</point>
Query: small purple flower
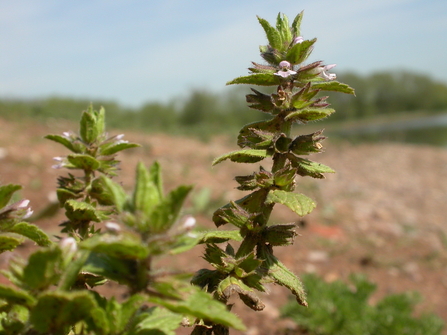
<point>325,74</point>
<point>60,164</point>
<point>189,222</point>
<point>113,227</point>
<point>285,70</point>
<point>297,40</point>
<point>69,245</point>
<point>23,204</point>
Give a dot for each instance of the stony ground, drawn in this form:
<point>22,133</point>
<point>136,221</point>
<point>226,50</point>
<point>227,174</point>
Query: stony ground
<point>383,213</point>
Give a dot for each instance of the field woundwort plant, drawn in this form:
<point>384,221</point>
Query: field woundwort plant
<point>52,291</point>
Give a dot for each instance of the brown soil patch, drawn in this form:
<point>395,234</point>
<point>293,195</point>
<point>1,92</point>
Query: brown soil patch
<point>383,213</point>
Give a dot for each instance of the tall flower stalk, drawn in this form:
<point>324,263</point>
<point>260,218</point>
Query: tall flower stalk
<point>297,100</point>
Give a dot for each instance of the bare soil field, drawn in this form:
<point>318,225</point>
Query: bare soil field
<point>383,213</point>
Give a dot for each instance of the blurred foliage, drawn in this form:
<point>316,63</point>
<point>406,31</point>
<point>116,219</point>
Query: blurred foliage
<point>204,113</point>
<point>337,308</point>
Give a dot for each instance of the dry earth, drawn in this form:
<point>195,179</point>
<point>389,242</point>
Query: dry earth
<point>383,213</point>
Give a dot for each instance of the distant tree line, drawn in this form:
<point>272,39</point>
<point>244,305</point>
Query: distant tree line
<point>206,112</point>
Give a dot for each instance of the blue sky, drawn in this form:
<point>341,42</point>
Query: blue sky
<point>135,51</point>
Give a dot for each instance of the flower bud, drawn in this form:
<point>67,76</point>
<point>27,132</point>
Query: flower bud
<point>69,245</point>
<point>297,40</point>
<point>113,227</point>
<point>189,223</point>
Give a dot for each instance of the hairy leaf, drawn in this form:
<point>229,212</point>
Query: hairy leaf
<point>282,275</point>
<point>147,193</point>
<point>6,192</point>
<point>16,296</point>
<point>43,269</point>
<point>300,51</point>
<point>282,26</point>
<point>201,305</point>
<point>219,236</point>
<point>299,203</point>
<point>243,156</point>
<point>64,141</point>
<point>33,232</point>
<point>334,86</point>
<point>273,36</point>
<point>296,24</point>
<point>84,162</point>
<point>9,241</point>
<point>114,191</point>
<point>309,114</point>
<point>56,311</point>
<point>158,320</point>
<point>113,149</point>
<point>259,79</point>
<point>82,211</point>
<point>313,169</point>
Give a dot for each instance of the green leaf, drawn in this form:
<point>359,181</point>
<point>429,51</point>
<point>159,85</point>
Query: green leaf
<point>280,235</point>
<point>43,269</point>
<point>9,241</point>
<point>334,86</point>
<point>123,246</point>
<point>64,141</point>
<point>84,162</point>
<point>243,156</point>
<point>273,36</point>
<point>299,203</point>
<point>56,312</point>
<point>158,321</point>
<point>72,270</point>
<point>115,191</point>
<point>201,305</point>
<point>33,232</point>
<point>113,149</point>
<point>166,212</point>
<point>309,114</point>
<point>63,195</point>
<point>232,285</point>
<point>296,24</point>
<point>260,79</point>
<point>260,101</point>
<point>312,169</point>
<point>282,26</point>
<point>125,316</point>
<point>6,192</point>
<point>282,275</point>
<point>92,125</point>
<point>81,211</point>
<point>219,236</point>
<point>15,320</point>
<point>16,296</point>
<point>147,193</point>
<point>300,51</point>
<point>120,270</point>
<point>185,242</point>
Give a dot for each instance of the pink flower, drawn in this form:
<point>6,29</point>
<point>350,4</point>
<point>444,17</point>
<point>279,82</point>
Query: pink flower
<point>285,70</point>
<point>297,40</point>
<point>325,74</point>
